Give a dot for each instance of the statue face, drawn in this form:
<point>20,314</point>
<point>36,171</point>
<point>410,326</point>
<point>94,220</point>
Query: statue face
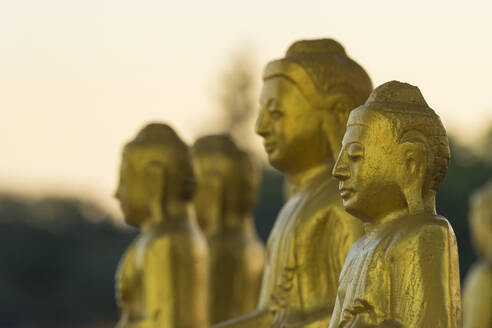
<point>132,194</point>
<point>208,195</point>
<point>369,167</point>
<point>290,126</point>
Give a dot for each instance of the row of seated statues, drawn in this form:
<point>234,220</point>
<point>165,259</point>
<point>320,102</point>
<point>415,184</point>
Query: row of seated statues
<point>358,242</point>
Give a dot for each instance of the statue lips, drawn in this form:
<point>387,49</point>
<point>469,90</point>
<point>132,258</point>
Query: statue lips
<point>123,208</point>
<point>346,193</point>
<point>269,146</point>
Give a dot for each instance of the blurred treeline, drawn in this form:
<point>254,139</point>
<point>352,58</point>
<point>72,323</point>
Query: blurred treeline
<point>59,255</point>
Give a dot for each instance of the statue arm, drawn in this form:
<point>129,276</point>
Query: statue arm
<point>176,282</point>
<point>158,284</point>
<point>124,274</point>
<point>425,280</point>
<point>333,231</point>
<point>123,286</point>
<point>191,281</point>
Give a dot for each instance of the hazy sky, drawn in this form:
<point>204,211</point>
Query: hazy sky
<point>78,78</point>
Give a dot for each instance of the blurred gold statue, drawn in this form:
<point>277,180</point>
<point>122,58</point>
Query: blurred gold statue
<point>477,300</point>
<point>162,279</point>
<point>404,271</point>
<point>226,194</point>
<point>304,106</point>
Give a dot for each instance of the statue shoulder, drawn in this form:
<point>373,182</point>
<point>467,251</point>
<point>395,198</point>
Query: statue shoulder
<point>127,262</point>
<point>424,231</point>
<point>159,243</point>
<point>179,244</point>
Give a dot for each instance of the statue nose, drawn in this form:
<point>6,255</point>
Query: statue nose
<point>341,170</point>
<point>261,126</point>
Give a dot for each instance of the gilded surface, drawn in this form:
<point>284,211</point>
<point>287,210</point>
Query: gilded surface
<point>162,278</point>
<point>304,105</point>
<point>477,295</point>
<point>226,195</point>
<point>404,271</point>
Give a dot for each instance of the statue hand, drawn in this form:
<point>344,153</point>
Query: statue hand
<point>361,322</point>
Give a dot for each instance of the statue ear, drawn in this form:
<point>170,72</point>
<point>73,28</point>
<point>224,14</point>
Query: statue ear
<point>414,169</point>
<point>339,106</point>
<point>154,178</point>
<point>336,115</point>
<point>413,143</point>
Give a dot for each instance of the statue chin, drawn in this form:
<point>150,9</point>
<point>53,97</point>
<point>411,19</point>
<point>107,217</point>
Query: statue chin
<point>356,213</point>
<point>275,162</point>
<point>133,221</point>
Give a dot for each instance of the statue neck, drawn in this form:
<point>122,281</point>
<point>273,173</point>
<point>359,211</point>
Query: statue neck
<point>376,223</point>
<point>225,214</point>
<point>167,213</point>
<point>429,207</point>
<point>403,213</point>
<point>300,181</point>
<point>430,202</point>
<point>229,215</point>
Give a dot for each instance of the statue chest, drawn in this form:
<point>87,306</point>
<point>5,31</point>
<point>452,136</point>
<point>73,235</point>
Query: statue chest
<point>133,271</point>
<point>281,276</point>
<point>365,278</point>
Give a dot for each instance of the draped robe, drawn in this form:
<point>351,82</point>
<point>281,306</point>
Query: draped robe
<point>403,273</point>
<point>162,279</point>
<point>305,254</point>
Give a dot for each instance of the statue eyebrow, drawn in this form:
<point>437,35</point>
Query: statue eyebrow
<point>269,103</point>
<point>353,142</point>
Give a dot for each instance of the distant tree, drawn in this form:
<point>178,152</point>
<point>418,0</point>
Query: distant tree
<point>237,97</point>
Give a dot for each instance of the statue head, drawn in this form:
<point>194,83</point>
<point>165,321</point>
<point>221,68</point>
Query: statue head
<point>481,221</point>
<point>394,154</point>
<point>305,102</point>
<point>156,171</point>
<point>227,183</point>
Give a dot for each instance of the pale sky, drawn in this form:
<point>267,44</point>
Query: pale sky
<point>79,78</point>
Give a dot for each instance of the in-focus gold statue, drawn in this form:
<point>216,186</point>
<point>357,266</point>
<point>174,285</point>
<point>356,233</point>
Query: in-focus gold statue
<point>226,194</point>
<point>477,295</point>
<point>304,105</point>
<point>162,279</point>
<point>404,271</point>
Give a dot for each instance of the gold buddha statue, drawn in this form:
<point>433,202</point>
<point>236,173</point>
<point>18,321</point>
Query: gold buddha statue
<point>477,294</point>
<point>304,104</point>
<point>162,279</point>
<point>226,194</point>
<point>404,271</point>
